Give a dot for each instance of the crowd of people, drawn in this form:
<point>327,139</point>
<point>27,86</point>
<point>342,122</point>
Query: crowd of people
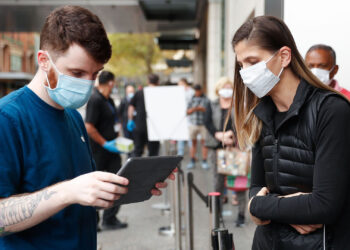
<point>289,113</point>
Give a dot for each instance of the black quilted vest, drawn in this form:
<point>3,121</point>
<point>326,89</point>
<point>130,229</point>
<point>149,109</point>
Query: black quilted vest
<point>289,147</point>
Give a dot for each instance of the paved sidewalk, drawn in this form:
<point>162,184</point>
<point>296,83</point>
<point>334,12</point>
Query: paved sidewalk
<point>144,222</point>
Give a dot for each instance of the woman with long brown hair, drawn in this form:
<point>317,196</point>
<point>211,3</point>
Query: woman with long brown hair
<point>300,132</point>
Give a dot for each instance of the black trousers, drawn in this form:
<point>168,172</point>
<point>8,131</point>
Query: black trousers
<point>109,162</point>
<point>140,140</point>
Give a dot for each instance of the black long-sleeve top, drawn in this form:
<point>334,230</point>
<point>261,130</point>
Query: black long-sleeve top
<point>209,124</point>
<point>328,203</point>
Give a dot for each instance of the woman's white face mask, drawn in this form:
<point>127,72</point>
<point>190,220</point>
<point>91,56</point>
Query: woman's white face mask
<point>259,79</point>
<point>226,93</point>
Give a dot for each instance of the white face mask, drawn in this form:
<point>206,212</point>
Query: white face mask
<point>226,92</point>
<point>259,79</point>
<point>322,74</point>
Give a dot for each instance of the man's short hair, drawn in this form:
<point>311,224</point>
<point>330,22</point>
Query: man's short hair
<point>197,87</point>
<point>153,79</point>
<point>73,24</point>
<point>326,48</point>
<point>105,77</point>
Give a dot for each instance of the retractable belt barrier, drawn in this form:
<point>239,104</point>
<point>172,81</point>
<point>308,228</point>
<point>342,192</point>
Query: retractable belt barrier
<point>181,191</point>
<point>220,238</point>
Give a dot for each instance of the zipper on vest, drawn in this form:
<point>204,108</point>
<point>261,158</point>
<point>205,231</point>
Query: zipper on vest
<point>275,160</point>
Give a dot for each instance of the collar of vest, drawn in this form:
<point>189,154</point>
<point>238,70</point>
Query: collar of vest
<point>266,108</point>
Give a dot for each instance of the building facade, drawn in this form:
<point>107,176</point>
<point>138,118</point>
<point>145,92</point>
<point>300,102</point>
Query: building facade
<point>17,60</point>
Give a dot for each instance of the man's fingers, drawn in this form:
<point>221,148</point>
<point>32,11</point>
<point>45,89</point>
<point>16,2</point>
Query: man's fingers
<point>171,177</point>
<point>108,196</point>
<point>161,185</point>
<point>156,192</point>
<point>113,178</point>
<point>103,203</point>
<point>112,188</point>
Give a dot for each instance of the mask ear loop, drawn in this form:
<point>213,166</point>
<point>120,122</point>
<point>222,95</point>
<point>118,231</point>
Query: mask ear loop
<point>279,74</point>
<point>54,66</point>
<point>272,56</point>
<point>48,82</point>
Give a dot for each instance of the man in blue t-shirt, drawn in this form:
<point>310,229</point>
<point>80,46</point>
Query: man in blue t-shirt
<point>48,189</point>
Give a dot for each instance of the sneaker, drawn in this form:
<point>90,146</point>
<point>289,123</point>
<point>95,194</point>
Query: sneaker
<point>205,165</point>
<point>240,220</point>
<point>191,164</point>
<point>114,225</point>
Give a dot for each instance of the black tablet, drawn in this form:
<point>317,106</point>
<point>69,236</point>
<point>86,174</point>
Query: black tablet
<point>143,173</point>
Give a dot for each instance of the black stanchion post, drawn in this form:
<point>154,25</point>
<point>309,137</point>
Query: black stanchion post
<point>221,239</point>
<point>214,209</point>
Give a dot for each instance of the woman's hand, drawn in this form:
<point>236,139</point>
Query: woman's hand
<point>292,195</point>
<point>306,229</point>
<point>226,137</point>
<point>303,229</point>
<point>263,192</point>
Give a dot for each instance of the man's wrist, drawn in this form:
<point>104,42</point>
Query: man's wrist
<point>64,192</point>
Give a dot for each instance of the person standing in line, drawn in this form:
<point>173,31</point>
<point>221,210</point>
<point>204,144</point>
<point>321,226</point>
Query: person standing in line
<point>123,110</point>
<point>48,184</point>
<point>101,125</point>
<point>300,132</point>
<point>321,60</point>
<point>196,110</point>
<point>189,93</point>
<point>138,124</point>
<point>215,117</point>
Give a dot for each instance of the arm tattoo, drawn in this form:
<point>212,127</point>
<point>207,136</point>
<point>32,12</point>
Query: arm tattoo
<point>17,209</point>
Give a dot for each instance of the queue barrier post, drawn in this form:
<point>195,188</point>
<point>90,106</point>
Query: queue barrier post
<point>214,209</point>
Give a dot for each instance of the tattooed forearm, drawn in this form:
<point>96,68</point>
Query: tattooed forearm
<point>17,209</point>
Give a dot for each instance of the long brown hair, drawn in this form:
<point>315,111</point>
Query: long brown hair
<point>269,33</point>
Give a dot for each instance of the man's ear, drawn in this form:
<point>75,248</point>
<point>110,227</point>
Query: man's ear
<point>286,56</point>
<point>43,61</point>
<point>334,71</point>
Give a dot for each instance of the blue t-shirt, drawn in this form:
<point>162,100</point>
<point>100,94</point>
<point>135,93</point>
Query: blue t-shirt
<point>41,146</point>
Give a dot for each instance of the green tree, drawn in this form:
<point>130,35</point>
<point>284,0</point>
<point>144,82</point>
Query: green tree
<point>133,54</point>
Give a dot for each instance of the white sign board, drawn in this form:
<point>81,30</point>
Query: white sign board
<point>166,113</point>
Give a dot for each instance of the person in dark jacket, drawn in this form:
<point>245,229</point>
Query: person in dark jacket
<point>123,110</point>
<point>300,132</point>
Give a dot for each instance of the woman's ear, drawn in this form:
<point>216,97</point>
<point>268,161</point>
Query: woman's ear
<point>43,61</point>
<point>286,56</point>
